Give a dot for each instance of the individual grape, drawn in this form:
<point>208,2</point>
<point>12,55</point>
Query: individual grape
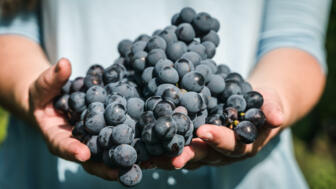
<point>95,69</point>
<point>212,36</point>
<point>96,108</point>
<point>202,23</point>
<point>185,32</point>
<point>214,119</point>
<point>115,98</point>
<point>199,49</point>
<point>114,73</point>
<point>77,85</point>
<point>165,127</point>
<point>161,64</point>
<point>62,103</point>
<point>246,87</point>
<point>246,132</point>
<point>176,50</point>
<point>66,87</point>
<point>104,137</point>
<point>236,101</point>
<point>231,88</point>
<point>155,55</point>
<point>216,84</point>
<point>124,155</point>
<point>210,48</point>
<point>77,102</point>
<point>181,109</point>
<point>148,135</point>
<point>205,70</point>
<point>125,90</point>
<point>206,92</point>
<point>175,146</point>
<point>215,24</point>
<point>138,46</point>
<point>211,64</point>
<point>122,134</point>
<point>156,42</point>
<point>233,76</point>
<point>192,56</point>
<point>156,32</point>
<point>146,118</point>
<point>254,99</point>
<point>161,88</point>
<point>79,132</point>
<point>199,119</point>
<point>92,80</point>
<point>163,108</point>
<point>256,116</point>
<point>92,144</point>
<point>188,140</point>
<point>193,81</point>
<point>95,94</point>
<point>171,95</point>
<point>223,70</point>
<point>94,122</point>
<point>151,87</point>
<point>192,101</point>
<point>169,36</point>
<point>183,66</point>
<point>115,114</point>
<point>183,122</point>
<point>170,28</point>
<point>175,19</point>
<point>131,176</point>
<point>143,37</point>
<point>187,14</point>
<point>135,107</point>
<point>168,75</point>
<point>212,102</point>
<point>147,74</point>
<point>151,102</point>
<point>124,47</point>
<point>139,61</point>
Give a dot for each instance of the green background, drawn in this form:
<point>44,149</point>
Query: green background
<point>314,135</point>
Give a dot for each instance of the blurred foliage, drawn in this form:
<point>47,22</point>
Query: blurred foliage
<point>314,135</point>
<point>3,123</point>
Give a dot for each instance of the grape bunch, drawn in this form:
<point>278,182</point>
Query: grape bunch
<point>153,98</point>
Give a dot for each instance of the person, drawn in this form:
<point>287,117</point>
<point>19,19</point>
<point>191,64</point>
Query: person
<point>278,44</point>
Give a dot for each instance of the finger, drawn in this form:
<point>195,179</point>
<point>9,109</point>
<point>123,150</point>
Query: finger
<point>100,170</point>
<point>222,139</point>
<point>50,82</point>
<point>61,143</point>
<point>196,151</point>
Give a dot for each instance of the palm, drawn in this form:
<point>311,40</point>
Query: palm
<point>54,127</point>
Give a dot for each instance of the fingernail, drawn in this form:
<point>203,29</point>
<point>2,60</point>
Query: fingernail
<point>206,136</point>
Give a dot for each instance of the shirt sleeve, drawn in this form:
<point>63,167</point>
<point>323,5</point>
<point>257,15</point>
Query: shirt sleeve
<point>24,23</point>
<point>295,24</point>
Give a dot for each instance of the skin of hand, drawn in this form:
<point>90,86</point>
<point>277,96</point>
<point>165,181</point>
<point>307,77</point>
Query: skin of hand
<point>281,77</point>
<point>30,89</point>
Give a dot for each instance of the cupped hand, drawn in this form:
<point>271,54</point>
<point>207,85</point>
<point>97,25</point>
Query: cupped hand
<point>217,145</point>
<point>53,126</point>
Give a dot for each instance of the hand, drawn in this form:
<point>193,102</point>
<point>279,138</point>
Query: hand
<point>217,145</point>
<point>53,126</point>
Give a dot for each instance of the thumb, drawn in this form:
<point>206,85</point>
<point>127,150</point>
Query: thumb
<point>50,82</point>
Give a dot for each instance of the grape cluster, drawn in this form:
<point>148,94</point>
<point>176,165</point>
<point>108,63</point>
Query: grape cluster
<point>152,99</point>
